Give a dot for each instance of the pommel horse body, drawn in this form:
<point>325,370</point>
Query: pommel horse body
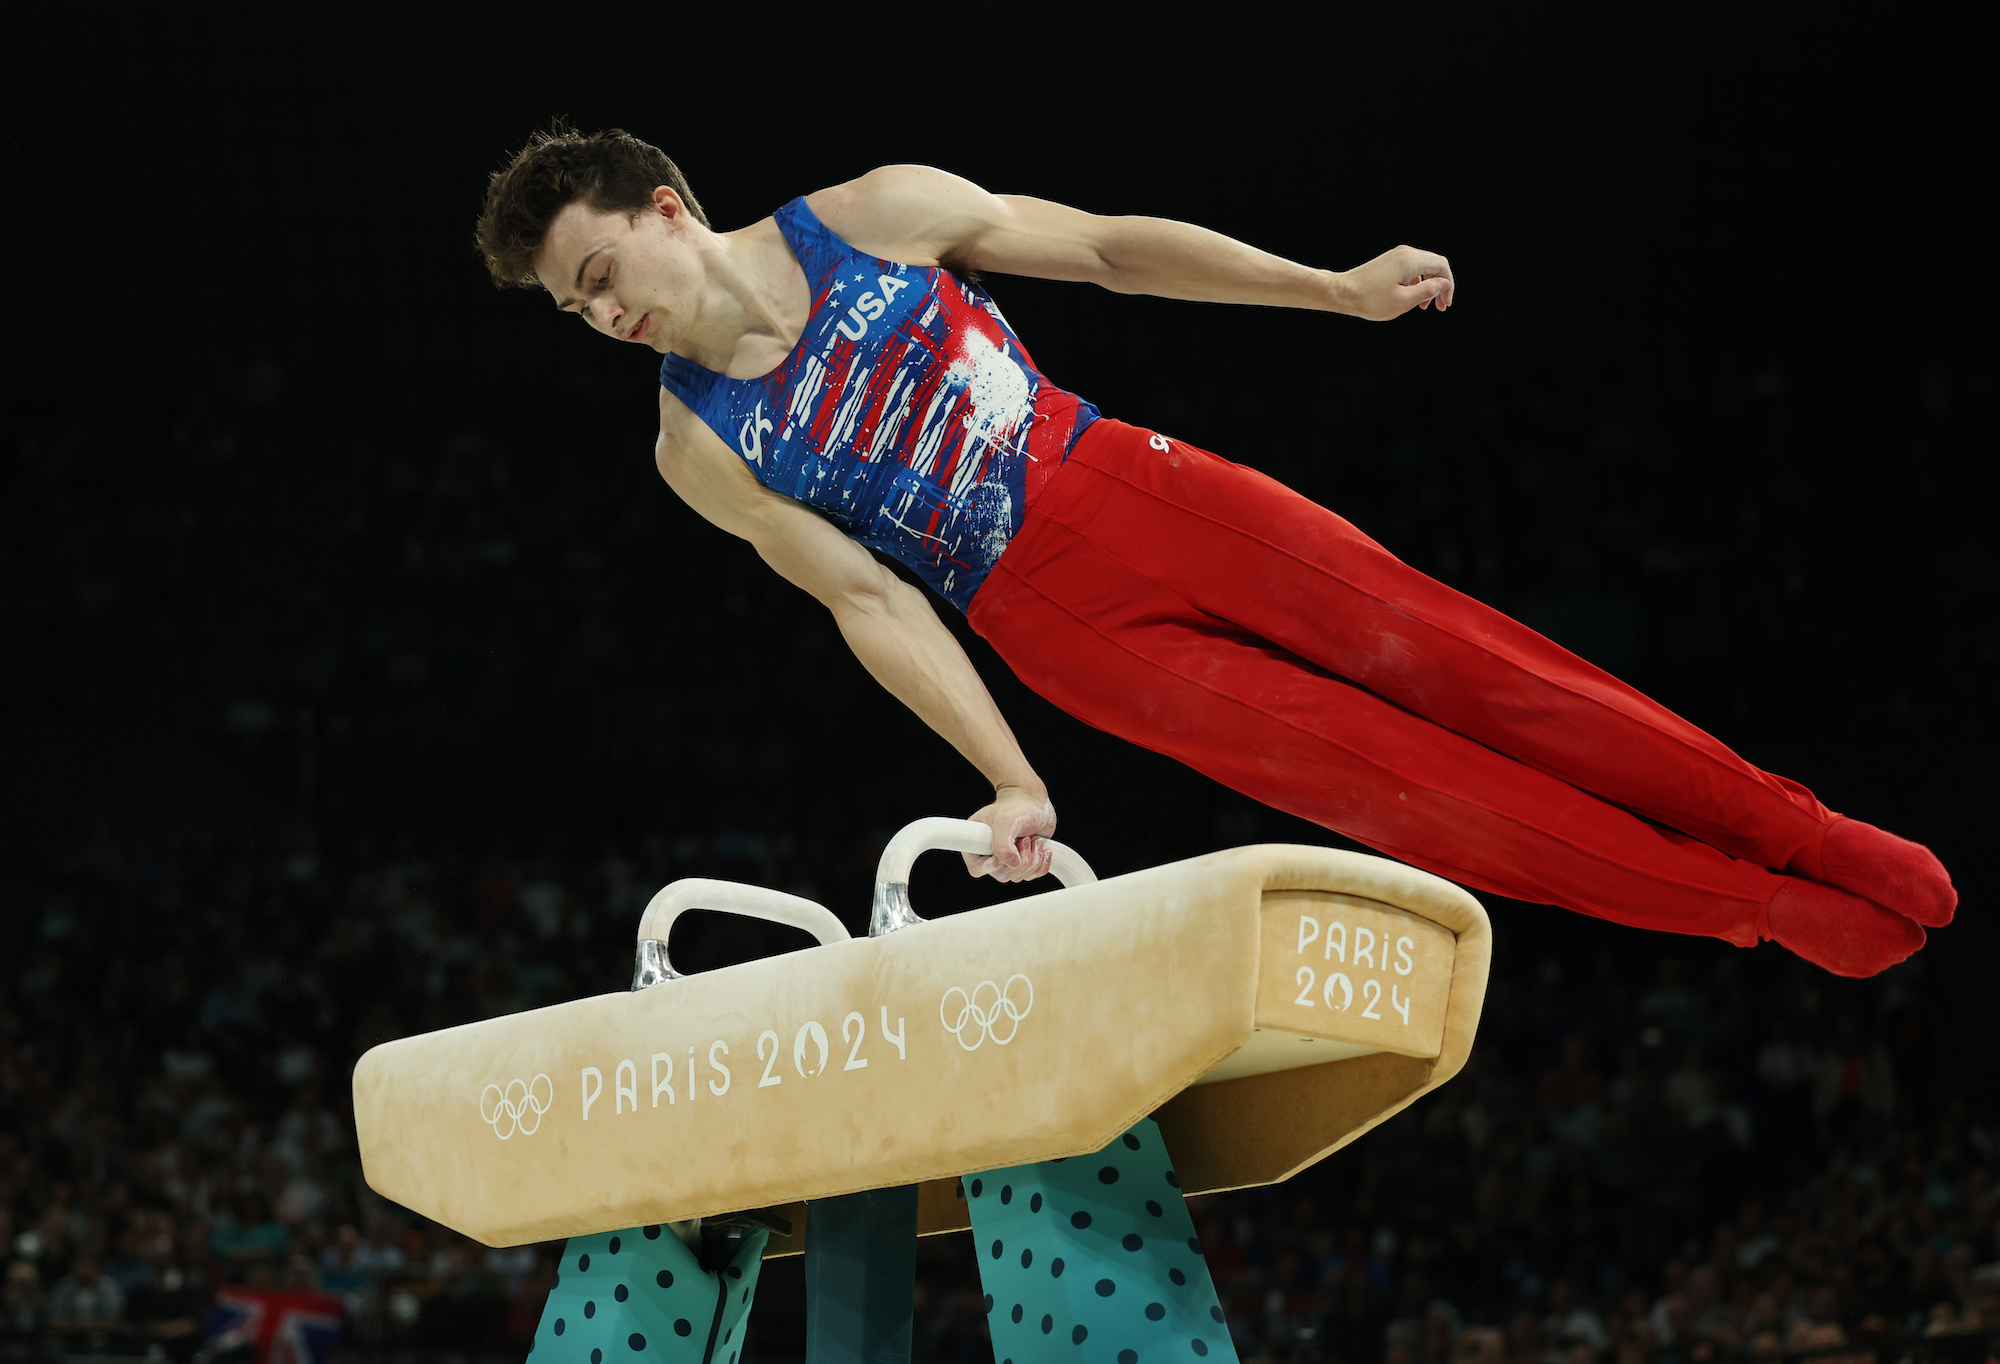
<point>1264,1006</point>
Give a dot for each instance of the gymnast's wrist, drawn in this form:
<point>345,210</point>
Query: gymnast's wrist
<point>1030,786</point>
<point>1335,292</point>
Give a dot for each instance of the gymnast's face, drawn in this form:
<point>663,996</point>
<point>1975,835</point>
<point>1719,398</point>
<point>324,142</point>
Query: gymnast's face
<point>633,277</point>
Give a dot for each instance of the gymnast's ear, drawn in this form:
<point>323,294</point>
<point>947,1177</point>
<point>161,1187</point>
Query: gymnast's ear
<point>668,204</point>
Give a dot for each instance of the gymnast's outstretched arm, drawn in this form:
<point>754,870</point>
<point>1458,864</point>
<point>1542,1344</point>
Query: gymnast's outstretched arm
<point>889,624</point>
<point>925,216</point>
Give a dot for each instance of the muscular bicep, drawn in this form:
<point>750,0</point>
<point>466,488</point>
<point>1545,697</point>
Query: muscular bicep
<point>812,553</point>
<point>924,216</point>
<point>801,545</point>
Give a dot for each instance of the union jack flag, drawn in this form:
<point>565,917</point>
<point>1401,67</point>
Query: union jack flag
<point>283,1328</point>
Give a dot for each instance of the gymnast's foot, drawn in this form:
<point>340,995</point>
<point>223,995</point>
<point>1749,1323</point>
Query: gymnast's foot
<point>1893,872</point>
<point>1846,934</point>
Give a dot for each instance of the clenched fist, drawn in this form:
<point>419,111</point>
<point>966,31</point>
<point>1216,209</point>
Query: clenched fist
<point>1022,824</point>
<point>1395,282</point>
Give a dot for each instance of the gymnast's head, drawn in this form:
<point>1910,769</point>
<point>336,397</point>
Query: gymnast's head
<point>604,222</point>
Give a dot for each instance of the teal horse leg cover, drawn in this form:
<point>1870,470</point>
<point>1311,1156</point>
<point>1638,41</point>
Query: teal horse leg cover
<point>641,1294</point>
<point>1094,1258</point>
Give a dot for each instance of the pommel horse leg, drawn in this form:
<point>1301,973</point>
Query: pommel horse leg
<point>642,1294</point>
<point>861,1269</point>
<point>1095,1258</point>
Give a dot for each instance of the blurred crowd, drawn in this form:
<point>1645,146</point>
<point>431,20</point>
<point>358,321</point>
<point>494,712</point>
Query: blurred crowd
<point>1678,1156</point>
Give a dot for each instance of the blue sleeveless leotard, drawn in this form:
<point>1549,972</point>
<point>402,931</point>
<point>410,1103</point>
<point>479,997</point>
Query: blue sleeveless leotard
<point>909,413</point>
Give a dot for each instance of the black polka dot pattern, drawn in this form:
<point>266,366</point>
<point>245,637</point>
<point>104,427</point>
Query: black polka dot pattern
<point>639,1285</point>
<point>1141,1290</point>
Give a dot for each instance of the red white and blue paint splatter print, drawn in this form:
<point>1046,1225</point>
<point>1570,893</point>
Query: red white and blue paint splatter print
<point>909,412</point>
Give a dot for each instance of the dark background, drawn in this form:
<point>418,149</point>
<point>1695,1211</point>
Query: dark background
<point>313,538</point>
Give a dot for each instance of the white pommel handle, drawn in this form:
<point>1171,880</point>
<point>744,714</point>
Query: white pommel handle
<point>735,898</point>
<point>966,836</point>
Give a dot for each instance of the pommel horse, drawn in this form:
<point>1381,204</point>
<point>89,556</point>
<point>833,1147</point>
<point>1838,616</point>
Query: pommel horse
<point>1251,1011</point>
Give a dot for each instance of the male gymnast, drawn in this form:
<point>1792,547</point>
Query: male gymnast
<point>833,381</point>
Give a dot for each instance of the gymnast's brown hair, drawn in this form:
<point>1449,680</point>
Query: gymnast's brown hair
<point>611,171</point>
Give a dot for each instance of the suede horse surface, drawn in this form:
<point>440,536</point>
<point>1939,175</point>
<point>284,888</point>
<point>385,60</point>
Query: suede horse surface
<point>1265,1004</point>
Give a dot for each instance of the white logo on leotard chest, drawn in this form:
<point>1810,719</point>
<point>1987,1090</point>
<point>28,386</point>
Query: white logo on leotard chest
<point>751,435</point>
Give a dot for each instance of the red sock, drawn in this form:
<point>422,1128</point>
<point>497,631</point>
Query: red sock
<point>1844,933</point>
<point>1893,872</point>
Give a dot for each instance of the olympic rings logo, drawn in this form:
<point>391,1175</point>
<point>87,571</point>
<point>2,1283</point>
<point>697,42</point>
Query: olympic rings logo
<point>507,1112</point>
<point>983,1018</point>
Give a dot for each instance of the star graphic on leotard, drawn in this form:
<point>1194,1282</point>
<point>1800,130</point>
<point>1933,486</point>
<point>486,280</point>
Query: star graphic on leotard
<point>837,287</point>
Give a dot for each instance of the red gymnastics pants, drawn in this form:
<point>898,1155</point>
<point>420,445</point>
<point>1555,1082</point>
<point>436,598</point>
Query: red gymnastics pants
<point>1201,610</point>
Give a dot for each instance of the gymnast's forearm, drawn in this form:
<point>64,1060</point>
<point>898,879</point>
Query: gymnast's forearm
<point>904,646</point>
<point>1180,260</point>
